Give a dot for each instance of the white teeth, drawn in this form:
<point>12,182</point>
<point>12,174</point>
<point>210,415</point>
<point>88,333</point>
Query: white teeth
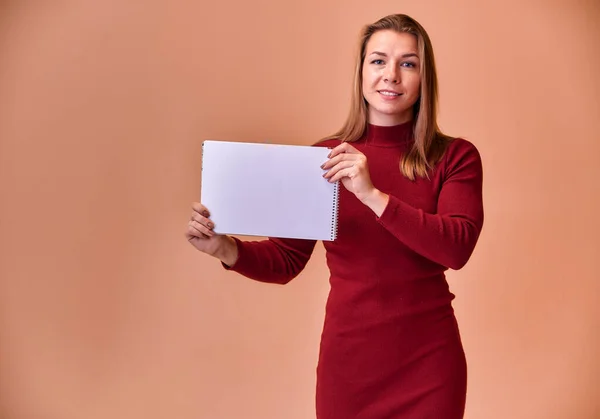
<point>389,94</point>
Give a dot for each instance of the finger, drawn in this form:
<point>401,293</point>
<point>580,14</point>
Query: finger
<point>200,209</point>
<point>196,227</point>
<point>202,229</point>
<point>343,148</point>
<point>335,160</point>
<point>349,172</point>
<point>202,220</point>
<point>340,166</point>
<point>337,150</point>
<point>193,233</point>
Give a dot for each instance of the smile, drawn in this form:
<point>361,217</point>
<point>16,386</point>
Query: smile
<point>389,93</point>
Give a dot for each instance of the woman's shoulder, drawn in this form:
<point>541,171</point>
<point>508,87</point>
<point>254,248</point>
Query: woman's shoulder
<point>461,153</point>
<point>460,147</point>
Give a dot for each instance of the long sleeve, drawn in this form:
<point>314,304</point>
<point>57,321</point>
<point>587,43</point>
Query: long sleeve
<point>272,260</point>
<point>447,237</point>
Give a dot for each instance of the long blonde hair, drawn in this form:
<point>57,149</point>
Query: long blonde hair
<point>430,143</point>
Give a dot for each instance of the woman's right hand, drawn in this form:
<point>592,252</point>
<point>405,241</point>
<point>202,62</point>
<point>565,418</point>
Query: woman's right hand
<point>201,235</point>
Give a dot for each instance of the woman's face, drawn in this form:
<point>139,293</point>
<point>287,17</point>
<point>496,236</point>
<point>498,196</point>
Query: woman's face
<point>391,79</point>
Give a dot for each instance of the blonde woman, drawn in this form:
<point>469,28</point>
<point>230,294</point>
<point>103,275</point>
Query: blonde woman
<point>410,209</point>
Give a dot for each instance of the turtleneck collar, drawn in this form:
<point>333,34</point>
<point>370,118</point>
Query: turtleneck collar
<point>389,136</point>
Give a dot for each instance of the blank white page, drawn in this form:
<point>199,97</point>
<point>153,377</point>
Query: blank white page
<point>271,190</point>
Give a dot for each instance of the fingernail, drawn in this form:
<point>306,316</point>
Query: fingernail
<point>205,213</point>
<point>210,225</point>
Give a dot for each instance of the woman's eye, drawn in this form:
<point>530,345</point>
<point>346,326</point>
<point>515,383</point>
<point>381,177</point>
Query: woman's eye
<point>409,64</point>
<point>378,62</point>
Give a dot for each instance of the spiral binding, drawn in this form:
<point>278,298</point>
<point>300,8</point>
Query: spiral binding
<point>336,197</point>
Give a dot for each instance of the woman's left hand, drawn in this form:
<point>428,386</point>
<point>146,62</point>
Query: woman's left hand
<point>348,165</point>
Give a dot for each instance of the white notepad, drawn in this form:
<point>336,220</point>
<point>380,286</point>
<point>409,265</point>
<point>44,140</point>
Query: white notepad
<point>270,190</point>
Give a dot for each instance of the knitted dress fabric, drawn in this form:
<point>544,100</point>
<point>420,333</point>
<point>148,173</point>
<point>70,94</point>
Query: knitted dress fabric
<point>390,345</point>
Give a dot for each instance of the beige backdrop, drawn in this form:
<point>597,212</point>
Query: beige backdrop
<point>107,312</point>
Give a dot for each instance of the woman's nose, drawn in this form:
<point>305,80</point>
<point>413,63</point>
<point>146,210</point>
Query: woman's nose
<point>392,75</point>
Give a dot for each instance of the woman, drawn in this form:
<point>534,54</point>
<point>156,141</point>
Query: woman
<point>411,208</point>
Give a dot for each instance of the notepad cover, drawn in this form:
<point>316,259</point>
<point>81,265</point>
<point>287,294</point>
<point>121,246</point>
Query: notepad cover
<point>271,190</point>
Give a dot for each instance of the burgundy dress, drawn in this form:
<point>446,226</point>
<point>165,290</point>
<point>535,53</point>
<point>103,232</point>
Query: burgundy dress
<point>390,345</point>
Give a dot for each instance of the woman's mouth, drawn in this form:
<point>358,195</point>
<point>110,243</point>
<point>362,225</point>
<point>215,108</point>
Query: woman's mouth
<point>389,94</point>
